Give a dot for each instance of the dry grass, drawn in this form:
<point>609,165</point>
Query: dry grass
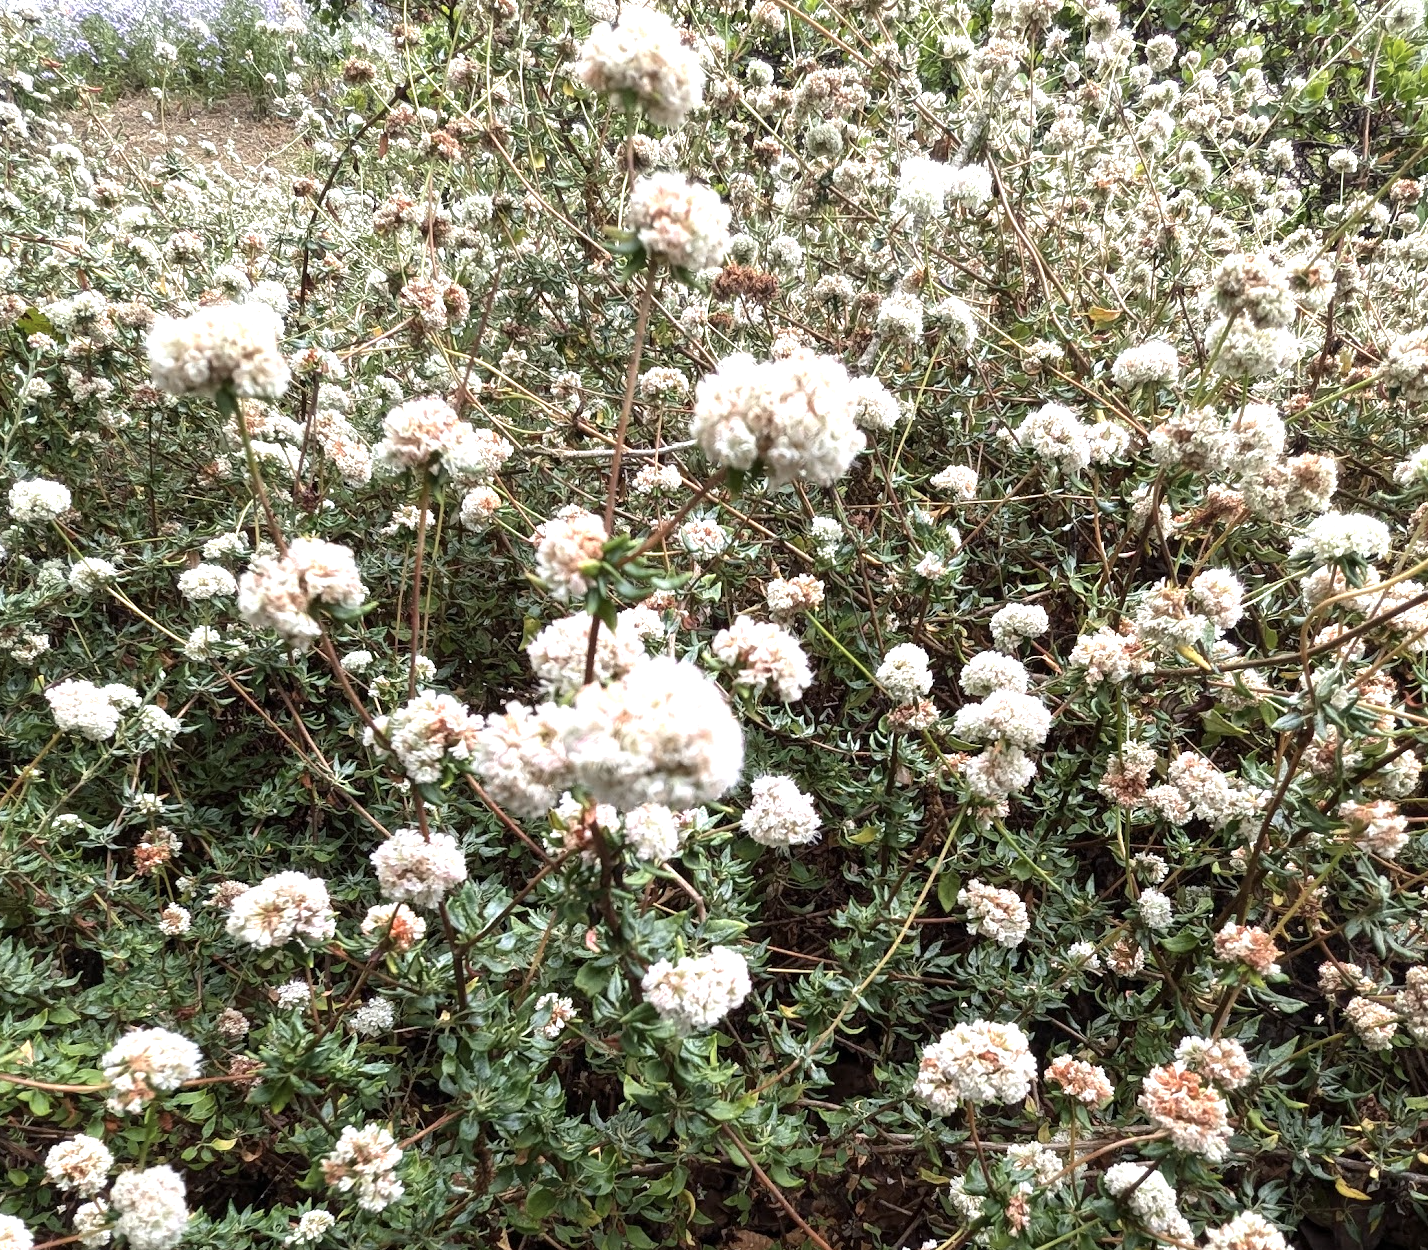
<point>132,128</point>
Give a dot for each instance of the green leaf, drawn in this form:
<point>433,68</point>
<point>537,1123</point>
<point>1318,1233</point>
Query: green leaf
<point>541,1201</point>
<point>1179,943</point>
<point>947,887</point>
<point>592,979</point>
<point>1216,723</point>
<point>723,1111</point>
<point>33,321</point>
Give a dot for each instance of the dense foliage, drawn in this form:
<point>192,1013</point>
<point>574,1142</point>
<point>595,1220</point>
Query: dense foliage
<point>781,619</point>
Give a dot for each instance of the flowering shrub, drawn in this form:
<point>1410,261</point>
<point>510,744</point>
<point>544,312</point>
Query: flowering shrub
<point>777,621</point>
<point>213,48</point>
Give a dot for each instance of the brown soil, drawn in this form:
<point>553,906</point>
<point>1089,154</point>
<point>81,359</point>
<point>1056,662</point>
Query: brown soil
<point>133,128</point>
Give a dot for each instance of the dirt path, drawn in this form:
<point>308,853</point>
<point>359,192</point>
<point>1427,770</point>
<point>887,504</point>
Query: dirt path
<point>134,125</point>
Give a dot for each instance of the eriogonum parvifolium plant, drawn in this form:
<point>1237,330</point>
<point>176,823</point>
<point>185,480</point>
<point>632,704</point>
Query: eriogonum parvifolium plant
<point>755,619</point>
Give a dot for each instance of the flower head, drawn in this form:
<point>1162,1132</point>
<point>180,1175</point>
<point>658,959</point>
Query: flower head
<point>223,345</point>
<point>1175,1098</point>
<point>80,1164</point>
<point>417,870</point>
<point>780,814</point>
<point>363,1162</point>
<point>643,60</point>
<point>278,591</point>
<point>663,733</point>
<point>683,224</point>
<point>796,416</point>
<point>147,1062</point>
<point>978,1062</point>
<point>37,500</point>
<point>697,992</point>
<point>281,908</point>
<point>151,1208</point>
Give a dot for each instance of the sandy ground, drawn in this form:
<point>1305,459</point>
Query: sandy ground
<point>134,126</point>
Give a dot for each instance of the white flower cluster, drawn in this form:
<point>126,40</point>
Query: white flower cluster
<point>280,908</point>
<point>1411,1002</point>
<point>1151,1199</point>
<point>1196,789</point>
<point>653,833</point>
<point>421,433</point>
<point>278,591</point>
<point>364,1162</point>
<point>80,1164</point>
<point>394,925</point>
<point>424,732</point>
<point>562,1012</point>
<point>558,653</point>
<point>1015,622</point>
<point>787,597</point>
<point>1109,656</point>
<point>1171,617</point>
<point>1004,716</point>
<point>698,991</point>
<point>703,537</point>
<point>417,870</point>
<point>905,673</point>
<point>1377,827</point>
<point>234,345</point>
<point>877,407</point>
<point>766,656</point>
<point>14,1235</point>
<point>311,1227</point>
<point>990,671</point>
<point>922,187</point>
<point>1086,1082</point>
<point>796,416</point>
<point>151,1206</point>
<point>656,479</point>
<point>1252,338</point>
<point>292,995</point>
<point>680,223</point>
<point>1156,911</point>
<point>90,574</point>
<point>204,582</point>
<point>1055,434</point>
<point>780,814</point>
<point>519,757</point>
<point>1405,365</point>
<point>997,914</point>
<point>1247,447</point>
<point>957,480</point>
<point>1375,1023</point>
<point>1247,1231</point>
<point>644,61</point>
<point>94,712</point>
<point>1222,1060</point>
<point>1154,361</point>
<point>373,1018</point>
<point>38,499</point>
<point>1248,945</point>
<point>145,1063</point>
<point>1338,536</point>
<point>1414,470</point>
<point>1180,1100</point>
<point>979,1062</point>
<point>478,506</point>
<point>661,734</point>
<point>565,545</point>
